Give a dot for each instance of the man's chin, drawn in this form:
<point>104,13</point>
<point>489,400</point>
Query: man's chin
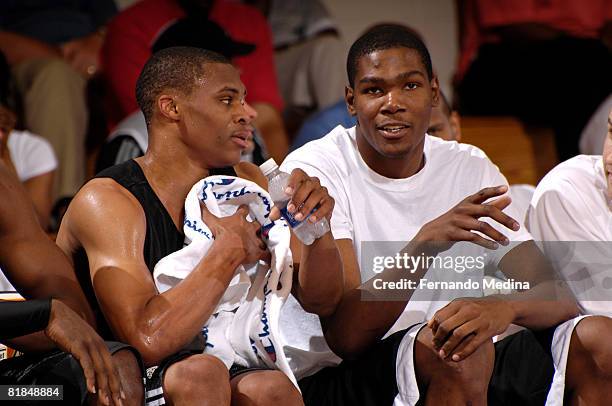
<point>394,151</point>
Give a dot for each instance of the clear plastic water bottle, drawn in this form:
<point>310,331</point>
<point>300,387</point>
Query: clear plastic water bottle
<point>305,230</point>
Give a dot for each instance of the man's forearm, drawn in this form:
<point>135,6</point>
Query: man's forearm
<point>172,319</point>
<point>320,281</point>
<point>545,305</point>
<point>18,48</point>
<point>35,342</point>
<point>365,314</point>
<point>549,301</point>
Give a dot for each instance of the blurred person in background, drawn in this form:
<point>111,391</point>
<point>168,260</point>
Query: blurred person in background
<point>306,46</point>
<point>132,32</point>
<point>53,49</point>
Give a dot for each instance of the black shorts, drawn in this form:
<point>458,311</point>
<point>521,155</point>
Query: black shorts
<point>154,379</point>
<point>522,374</point>
<point>368,380</point>
<point>523,369</point>
<point>52,368</point>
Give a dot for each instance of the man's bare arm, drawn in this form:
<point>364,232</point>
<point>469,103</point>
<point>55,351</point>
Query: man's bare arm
<point>463,325</point>
<point>30,260</point>
<point>18,48</point>
<point>318,278</point>
<point>357,323</point>
<point>110,224</point>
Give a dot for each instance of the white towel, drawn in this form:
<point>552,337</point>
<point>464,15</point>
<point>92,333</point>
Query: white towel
<point>244,328</point>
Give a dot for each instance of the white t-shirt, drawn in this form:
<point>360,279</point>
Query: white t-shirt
<point>372,208</point>
<point>570,204</point>
<point>32,155</point>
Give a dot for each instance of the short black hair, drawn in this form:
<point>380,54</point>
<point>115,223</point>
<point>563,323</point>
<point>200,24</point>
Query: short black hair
<point>176,68</point>
<point>386,36</point>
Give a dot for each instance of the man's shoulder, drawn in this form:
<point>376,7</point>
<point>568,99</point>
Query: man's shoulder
<point>338,140</point>
<point>578,183</point>
<point>101,208</point>
<point>579,171</point>
<point>103,199</point>
<point>455,156</point>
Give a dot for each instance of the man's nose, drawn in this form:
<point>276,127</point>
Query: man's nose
<point>394,102</point>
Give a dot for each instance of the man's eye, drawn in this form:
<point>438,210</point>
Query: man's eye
<point>412,85</point>
<point>373,90</point>
<point>227,100</point>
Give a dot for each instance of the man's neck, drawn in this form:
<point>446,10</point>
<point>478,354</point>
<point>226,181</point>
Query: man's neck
<point>400,167</point>
<point>171,175</point>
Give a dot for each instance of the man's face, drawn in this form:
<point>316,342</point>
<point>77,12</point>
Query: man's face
<point>443,126</point>
<point>607,155</point>
<point>216,120</point>
<point>392,100</point>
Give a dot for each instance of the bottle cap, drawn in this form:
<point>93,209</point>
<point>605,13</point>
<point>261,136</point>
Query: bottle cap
<point>268,167</point>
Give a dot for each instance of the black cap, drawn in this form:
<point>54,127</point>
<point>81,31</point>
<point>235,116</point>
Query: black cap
<point>200,32</point>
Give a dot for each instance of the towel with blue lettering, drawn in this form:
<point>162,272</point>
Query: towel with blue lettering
<point>244,328</point>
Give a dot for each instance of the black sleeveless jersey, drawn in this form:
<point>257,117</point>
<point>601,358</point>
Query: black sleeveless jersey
<point>161,237</point>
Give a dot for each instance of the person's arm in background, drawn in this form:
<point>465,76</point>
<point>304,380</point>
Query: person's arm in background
<point>29,259</point>
<point>18,48</point>
<point>39,270</point>
<point>40,189</point>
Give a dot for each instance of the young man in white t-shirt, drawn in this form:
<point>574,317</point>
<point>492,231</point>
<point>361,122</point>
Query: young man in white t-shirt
<point>571,213</point>
<point>391,182</point>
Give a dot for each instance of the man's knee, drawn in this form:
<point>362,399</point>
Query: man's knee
<point>264,388</point>
<point>472,374</point>
<point>197,377</point>
<point>590,350</point>
<point>130,375</point>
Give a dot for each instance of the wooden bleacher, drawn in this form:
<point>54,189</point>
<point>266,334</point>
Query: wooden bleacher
<point>523,155</point>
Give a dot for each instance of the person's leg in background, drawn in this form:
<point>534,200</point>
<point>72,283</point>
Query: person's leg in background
<point>53,95</point>
<point>310,78</point>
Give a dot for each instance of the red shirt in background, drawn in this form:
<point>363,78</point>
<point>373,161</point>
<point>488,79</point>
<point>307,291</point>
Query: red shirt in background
<point>132,32</point>
<point>577,18</point>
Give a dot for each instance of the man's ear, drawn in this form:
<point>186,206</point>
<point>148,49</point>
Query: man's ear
<point>168,107</point>
<point>435,92</point>
<point>349,97</point>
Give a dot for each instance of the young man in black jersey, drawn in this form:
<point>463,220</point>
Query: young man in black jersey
<point>129,217</point>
